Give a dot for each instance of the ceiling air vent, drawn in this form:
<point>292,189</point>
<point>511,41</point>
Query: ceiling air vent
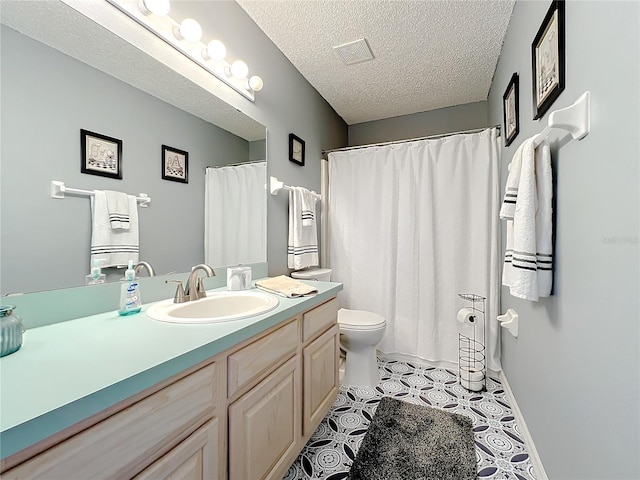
<point>354,52</point>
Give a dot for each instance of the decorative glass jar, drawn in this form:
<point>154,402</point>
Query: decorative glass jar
<point>11,330</point>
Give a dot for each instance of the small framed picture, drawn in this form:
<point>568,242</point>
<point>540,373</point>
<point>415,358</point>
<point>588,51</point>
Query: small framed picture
<point>511,110</point>
<point>101,155</point>
<point>175,164</point>
<point>548,59</point>
<point>296,149</point>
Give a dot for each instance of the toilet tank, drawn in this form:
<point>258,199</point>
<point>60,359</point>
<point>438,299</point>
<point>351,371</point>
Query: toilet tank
<point>319,274</point>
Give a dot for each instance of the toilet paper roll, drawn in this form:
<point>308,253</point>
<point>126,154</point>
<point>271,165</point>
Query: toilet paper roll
<point>472,380</point>
<point>467,316</point>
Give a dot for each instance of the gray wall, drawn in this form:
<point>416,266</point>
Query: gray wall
<point>47,97</point>
<point>286,104</point>
<point>443,120</point>
<point>574,366</point>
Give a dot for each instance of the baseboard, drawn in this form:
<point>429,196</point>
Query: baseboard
<point>531,448</point>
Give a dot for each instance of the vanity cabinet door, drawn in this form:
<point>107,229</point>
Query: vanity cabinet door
<point>320,378</point>
<point>264,426</point>
<point>196,458</point>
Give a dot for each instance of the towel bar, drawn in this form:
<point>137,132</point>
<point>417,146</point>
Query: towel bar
<point>276,185</point>
<point>575,119</point>
<point>59,190</point>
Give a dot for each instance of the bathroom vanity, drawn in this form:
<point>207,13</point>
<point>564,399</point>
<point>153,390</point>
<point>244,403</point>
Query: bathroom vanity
<point>137,398</point>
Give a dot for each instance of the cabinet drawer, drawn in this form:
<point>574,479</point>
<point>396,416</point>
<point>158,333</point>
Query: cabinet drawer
<point>125,442</point>
<point>319,319</point>
<point>251,362</point>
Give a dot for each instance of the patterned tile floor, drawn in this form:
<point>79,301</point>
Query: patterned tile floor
<point>500,449</point>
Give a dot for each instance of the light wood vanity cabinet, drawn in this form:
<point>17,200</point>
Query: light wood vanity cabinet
<point>245,414</point>
<point>125,443</point>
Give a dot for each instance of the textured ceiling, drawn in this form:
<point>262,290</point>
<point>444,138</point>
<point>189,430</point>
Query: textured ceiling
<point>429,54</point>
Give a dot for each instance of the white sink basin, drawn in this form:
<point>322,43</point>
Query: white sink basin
<point>216,307</point>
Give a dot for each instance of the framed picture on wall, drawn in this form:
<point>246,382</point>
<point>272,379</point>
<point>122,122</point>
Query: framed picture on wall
<point>100,155</point>
<point>548,59</point>
<point>296,149</point>
<point>511,110</point>
<point>175,164</point>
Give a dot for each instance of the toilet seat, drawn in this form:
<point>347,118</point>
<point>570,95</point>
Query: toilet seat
<point>360,320</point>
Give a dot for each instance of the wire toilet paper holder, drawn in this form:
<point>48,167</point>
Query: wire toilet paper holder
<point>472,372</point>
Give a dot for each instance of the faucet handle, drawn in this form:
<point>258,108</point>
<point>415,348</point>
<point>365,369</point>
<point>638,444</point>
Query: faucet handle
<point>180,296</point>
<point>201,292</point>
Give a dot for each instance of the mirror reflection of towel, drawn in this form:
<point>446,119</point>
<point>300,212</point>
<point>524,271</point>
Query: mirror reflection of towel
<point>115,247</point>
<point>302,247</point>
<point>118,206</point>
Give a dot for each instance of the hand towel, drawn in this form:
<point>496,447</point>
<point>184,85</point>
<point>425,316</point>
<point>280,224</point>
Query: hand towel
<point>285,287</point>
<point>528,259</point>
<point>114,247</point>
<point>118,206</point>
<point>302,246</point>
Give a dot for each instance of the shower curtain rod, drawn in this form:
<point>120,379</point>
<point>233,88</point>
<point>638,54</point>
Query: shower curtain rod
<point>439,135</point>
<point>237,164</point>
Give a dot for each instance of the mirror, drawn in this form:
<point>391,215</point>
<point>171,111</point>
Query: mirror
<point>53,85</point>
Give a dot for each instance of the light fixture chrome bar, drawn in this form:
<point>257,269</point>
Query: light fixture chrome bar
<point>165,26</point>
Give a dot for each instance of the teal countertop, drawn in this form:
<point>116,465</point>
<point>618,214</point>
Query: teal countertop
<point>67,372</point>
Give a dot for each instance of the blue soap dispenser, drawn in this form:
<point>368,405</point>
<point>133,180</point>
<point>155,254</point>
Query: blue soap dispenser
<point>130,293</point>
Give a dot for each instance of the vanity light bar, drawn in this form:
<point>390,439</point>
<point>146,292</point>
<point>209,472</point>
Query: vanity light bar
<point>178,35</point>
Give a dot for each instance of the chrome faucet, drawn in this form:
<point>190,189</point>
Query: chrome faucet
<point>195,288</point>
<point>147,266</point>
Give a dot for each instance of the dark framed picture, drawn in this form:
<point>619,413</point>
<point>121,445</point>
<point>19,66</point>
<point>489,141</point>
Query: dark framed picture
<point>101,155</point>
<point>511,110</point>
<point>175,164</point>
<point>548,59</point>
<point>296,149</point>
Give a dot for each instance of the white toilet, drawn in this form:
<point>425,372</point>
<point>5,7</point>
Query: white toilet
<point>360,333</point>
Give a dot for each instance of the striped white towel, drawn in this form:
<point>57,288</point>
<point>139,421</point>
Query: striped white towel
<point>114,247</point>
<point>118,206</point>
<point>302,247</point>
<point>527,208</point>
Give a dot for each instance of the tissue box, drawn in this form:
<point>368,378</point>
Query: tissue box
<point>238,278</point>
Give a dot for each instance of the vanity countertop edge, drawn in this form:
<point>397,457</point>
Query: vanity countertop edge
<point>69,371</point>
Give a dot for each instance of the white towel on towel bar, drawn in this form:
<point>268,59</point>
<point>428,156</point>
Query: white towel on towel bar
<point>114,247</point>
<point>118,206</point>
<point>527,208</point>
<point>302,247</point>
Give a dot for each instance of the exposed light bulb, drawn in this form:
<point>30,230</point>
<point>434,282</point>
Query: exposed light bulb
<point>255,83</point>
<point>239,69</point>
<point>189,30</point>
<point>215,50</point>
<point>155,7</point>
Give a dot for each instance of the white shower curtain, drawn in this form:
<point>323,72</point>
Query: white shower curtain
<point>411,225</point>
<point>235,229</point>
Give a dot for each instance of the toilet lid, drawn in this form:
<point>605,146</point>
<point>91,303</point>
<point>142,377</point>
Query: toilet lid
<point>359,319</point>
<point>311,273</point>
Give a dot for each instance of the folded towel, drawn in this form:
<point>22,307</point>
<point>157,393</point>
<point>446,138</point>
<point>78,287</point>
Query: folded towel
<point>114,247</point>
<point>285,287</point>
<point>302,247</point>
<point>508,208</point>
<point>528,259</point>
<point>308,208</point>
<point>118,206</point>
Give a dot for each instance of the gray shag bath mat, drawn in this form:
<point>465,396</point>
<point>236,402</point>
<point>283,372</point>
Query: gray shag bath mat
<point>414,442</point>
